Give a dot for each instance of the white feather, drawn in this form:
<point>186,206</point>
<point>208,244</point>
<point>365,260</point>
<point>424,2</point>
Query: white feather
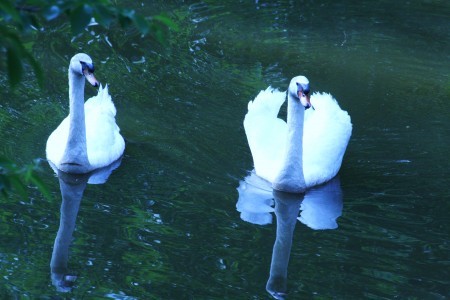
<point>326,133</point>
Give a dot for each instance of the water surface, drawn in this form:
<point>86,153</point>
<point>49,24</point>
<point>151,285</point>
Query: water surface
<point>165,224</point>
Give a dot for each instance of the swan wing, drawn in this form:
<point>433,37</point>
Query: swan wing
<point>327,131</point>
<point>103,139</point>
<point>56,142</point>
<point>266,133</point>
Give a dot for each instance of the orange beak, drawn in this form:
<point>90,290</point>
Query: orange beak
<point>90,77</point>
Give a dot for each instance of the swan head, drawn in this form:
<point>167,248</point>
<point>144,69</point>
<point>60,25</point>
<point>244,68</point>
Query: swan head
<point>299,89</point>
<point>82,65</point>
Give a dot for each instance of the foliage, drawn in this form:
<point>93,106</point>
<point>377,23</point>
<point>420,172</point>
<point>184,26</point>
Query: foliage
<point>23,17</point>
<point>13,177</point>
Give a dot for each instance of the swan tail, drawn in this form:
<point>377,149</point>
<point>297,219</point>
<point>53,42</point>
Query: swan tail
<point>105,144</point>
<point>102,101</point>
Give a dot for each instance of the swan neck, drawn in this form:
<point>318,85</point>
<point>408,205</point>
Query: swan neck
<point>287,207</point>
<point>72,193</point>
<point>75,159</point>
<point>291,178</point>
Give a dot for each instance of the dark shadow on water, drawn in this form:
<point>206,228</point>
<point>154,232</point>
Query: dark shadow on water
<point>72,188</point>
<point>319,208</point>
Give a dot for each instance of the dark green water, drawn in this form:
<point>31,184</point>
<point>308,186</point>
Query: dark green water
<point>165,224</point>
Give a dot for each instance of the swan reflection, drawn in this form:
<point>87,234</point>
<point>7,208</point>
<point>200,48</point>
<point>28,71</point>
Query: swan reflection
<point>72,188</point>
<point>319,208</point>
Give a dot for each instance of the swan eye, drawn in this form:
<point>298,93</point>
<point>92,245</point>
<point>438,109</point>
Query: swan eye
<point>304,88</point>
<point>87,67</point>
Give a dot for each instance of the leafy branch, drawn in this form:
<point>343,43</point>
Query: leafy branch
<point>13,177</point>
<point>20,17</point>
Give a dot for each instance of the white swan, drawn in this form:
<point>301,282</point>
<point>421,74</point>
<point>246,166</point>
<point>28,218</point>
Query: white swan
<point>305,151</point>
<point>89,137</point>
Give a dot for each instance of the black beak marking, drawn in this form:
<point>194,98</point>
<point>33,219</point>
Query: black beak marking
<point>87,66</point>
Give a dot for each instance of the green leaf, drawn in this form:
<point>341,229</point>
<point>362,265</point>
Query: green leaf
<point>36,68</point>
<point>18,185</point>
<point>4,182</point>
<point>159,33</point>
<point>125,17</point>
<point>80,18</point>
<point>8,7</point>
<point>14,178</point>
<point>16,54</point>
<point>128,13</point>
<point>142,24</point>
<point>4,161</point>
<point>167,21</point>
<point>34,21</point>
<point>4,185</point>
<point>15,68</point>
<point>103,15</point>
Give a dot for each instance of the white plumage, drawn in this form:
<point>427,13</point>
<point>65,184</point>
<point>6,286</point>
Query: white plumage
<point>103,139</point>
<point>326,132</point>
<point>89,137</point>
